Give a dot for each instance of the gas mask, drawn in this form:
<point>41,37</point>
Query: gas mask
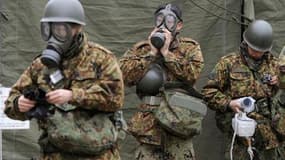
<point>165,18</point>
<point>59,40</point>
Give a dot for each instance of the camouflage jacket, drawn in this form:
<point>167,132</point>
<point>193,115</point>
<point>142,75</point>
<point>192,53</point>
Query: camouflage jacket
<point>185,62</point>
<point>93,76</point>
<point>231,79</point>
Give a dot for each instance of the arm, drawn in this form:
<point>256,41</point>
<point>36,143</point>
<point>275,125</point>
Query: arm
<point>104,91</point>
<point>135,63</point>
<point>214,90</point>
<point>11,104</point>
<point>186,67</point>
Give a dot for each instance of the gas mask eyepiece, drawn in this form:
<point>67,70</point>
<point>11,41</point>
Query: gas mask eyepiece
<point>166,20</point>
<point>61,31</point>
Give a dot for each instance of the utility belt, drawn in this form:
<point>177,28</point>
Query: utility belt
<point>171,86</point>
<point>152,100</point>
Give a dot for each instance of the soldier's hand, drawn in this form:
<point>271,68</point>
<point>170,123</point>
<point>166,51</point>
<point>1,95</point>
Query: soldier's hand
<point>24,104</point>
<point>154,51</point>
<point>168,37</point>
<point>59,96</point>
<point>274,80</point>
<point>235,105</point>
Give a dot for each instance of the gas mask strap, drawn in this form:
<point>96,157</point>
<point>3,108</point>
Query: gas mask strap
<point>75,46</point>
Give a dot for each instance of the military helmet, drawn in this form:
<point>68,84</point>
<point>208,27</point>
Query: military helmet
<point>151,82</point>
<point>64,11</point>
<point>259,36</point>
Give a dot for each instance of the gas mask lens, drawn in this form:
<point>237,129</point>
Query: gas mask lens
<point>169,21</point>
<point>61,31</point>
<point>45,31</point>
<point>159,20</point>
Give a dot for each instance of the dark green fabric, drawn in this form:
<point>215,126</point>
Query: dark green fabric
<point>117,25</point>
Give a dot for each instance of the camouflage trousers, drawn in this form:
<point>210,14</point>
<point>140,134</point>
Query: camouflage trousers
<point>174,149</point>
<point>240,152</point>
<point>112,154</point>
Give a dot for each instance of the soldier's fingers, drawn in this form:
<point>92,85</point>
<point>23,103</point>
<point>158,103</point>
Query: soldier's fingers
<point>26,104</point>
<point>274,80</point>
<point>52,99</point>
<point>22,99</point>
<point>29,102</point>
<point>152,32</point>
<point>25,107</point>
<point>52,95</point>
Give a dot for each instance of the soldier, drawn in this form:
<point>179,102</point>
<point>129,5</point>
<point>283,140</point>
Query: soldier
<point>250,72</point>
<point>155,66</point>
<point>72,88</point>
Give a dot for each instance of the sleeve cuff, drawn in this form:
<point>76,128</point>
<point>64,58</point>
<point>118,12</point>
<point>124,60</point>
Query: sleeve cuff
<point>227,105</point>
<point>76,95</point>
<point>170,57</point>
<point>15,104</point>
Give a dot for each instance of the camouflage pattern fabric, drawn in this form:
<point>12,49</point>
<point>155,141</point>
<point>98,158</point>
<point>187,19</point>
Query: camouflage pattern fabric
<point>93,76</point>
<point>112,154</point>
<point>279,104</point>
<point>174,149</point>
<point>240,152</point>
<point>184,62</point>
<point>178,120</point>
<point>231,79</point>
<point>67,129</point>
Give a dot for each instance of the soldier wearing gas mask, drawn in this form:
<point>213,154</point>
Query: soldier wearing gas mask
<point>253,71</point>
<point>80,83</point>
<point>163,62</point>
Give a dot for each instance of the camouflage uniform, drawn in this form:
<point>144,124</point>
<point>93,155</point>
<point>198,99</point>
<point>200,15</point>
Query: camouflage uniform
<point>96,82</point>
<point>184,62</point>
<point>232,79</point>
